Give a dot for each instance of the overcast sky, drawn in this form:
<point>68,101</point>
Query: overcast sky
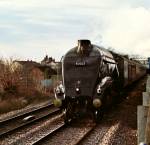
<point>30,29</point>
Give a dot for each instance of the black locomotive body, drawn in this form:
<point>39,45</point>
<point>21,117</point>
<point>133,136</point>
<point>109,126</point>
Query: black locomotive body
<point>92,76</point>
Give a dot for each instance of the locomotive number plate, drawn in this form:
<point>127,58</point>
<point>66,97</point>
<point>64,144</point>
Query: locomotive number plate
<point>80,63</point>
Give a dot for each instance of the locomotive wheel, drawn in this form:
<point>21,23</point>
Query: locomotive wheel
<point>119,97</point>
<point>68,113</point>
<point>109,97</point>
<point>67,120</point>
<point>120,93</point>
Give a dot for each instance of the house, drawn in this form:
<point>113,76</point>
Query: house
<point>33,74</point>
<point>49,61</point>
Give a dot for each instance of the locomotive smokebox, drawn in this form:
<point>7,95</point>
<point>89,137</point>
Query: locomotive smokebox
<point>84,47</point>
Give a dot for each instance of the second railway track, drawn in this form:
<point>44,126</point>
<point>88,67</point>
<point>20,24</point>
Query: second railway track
<point>9,125</point>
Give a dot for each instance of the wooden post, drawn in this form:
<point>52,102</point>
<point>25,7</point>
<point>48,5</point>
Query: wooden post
<point>146,99</point>
<point>141,122</point>
<point>144,117</point>
<point>147,130</point>
<point>148,84</point>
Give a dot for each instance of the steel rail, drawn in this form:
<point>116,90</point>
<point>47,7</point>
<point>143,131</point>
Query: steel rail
<point>61,128</point>
<point>9,126</point>
<point>82,139</point>
<point>51,133</point>
<point>34,109</point>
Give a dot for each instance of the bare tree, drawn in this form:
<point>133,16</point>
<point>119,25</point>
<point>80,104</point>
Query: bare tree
<point>9,76</point>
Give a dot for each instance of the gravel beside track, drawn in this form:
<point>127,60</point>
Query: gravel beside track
<point>29,134</point>
<point>119,125</point>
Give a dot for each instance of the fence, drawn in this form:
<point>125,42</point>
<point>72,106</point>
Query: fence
<point>143,117</point>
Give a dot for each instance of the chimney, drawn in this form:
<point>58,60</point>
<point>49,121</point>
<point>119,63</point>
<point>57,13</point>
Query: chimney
<point>84,46</point>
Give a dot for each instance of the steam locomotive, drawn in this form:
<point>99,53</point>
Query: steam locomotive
<point>93,78</point>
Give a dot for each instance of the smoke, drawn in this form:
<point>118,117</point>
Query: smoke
<point>128,31</point>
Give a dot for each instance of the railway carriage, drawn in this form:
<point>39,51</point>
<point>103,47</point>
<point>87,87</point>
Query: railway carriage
<point>129,70</point>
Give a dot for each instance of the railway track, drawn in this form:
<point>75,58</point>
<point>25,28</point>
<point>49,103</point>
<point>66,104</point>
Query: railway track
<point>10,125</point>
<point>101,134</point>
<point>51,133</point>
<point>62,134</point>
<point>55,132</point>
<point>79,134</point>
<point>82,138</point>
<point>74,134</point>
<point>24,111</point>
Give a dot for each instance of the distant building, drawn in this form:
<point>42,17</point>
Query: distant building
<point>143,61</point>
<point>33,74</point>
<point>49,61</point>
<point>34,67</point>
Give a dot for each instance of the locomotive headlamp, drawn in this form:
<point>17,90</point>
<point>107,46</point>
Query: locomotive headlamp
<point>78,91</point>
<point>97,103</point>
<point>57,102</point>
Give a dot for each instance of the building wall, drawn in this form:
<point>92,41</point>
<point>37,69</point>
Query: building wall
<point>30,80</point>
<point>33,78</point>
